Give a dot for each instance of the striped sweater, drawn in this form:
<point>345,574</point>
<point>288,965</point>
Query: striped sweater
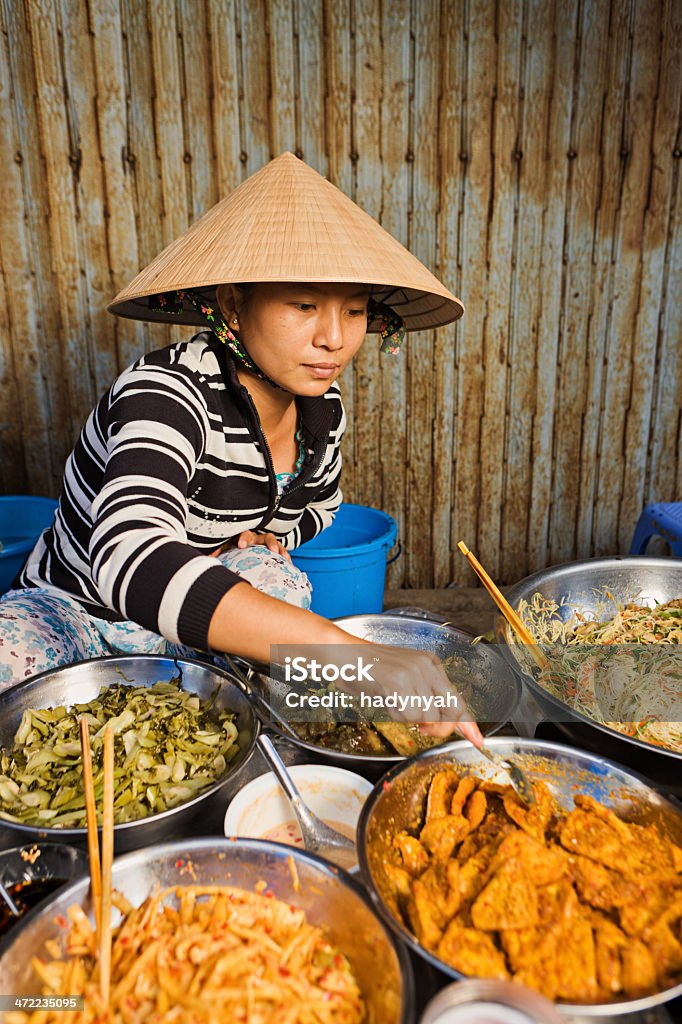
<point>171,463</point>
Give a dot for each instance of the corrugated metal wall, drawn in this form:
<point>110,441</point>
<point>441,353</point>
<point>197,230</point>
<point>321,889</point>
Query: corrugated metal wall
<point>526,150</point>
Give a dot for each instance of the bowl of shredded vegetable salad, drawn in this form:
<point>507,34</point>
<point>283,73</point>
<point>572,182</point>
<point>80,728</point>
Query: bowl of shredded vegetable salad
<point>211,930</point>
<point>182,730</point>
<point>611,630</point>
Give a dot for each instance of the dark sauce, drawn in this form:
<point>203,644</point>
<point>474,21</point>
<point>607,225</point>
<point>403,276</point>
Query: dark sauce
<point>26,895</point>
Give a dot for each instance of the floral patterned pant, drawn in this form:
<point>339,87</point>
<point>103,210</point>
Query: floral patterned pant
<point>41,629</point>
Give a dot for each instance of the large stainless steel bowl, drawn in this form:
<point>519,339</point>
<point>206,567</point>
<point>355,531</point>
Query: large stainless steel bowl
<point>329,897</point>
<point>397,802</point>
<point>582,585</point>
<point>490,687</point>
<point>82,682</point>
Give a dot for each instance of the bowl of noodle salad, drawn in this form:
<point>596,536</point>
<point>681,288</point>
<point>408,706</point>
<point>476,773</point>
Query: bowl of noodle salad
<point>611,629</point>
<point>212,930</point>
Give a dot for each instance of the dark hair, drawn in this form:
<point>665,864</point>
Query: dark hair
<point>247,290</point>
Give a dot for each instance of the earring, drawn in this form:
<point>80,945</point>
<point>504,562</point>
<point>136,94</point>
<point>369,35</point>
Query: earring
<point>235,321</point>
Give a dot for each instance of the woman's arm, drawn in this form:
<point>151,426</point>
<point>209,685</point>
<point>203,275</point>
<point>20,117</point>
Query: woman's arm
<point>247,622</point>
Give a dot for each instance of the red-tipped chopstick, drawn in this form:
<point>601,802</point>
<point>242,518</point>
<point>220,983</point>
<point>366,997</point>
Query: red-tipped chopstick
<point>107,863</point>
<point>500,600</point>
<point>91,815</point>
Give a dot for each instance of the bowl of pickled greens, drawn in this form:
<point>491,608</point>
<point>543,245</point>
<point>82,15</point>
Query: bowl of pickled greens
<point>182,730</point>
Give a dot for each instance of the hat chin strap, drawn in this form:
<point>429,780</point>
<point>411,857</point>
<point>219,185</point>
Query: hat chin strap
<point>173,303</point>
<point>391,326</point>
<point>250,365</point>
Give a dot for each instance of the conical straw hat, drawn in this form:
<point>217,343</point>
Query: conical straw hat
<point>288,223</point>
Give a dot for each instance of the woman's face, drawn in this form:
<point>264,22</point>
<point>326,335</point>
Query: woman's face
<point>302,336</point>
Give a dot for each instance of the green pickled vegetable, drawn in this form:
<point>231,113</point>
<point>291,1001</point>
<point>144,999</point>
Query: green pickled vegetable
<point>169,746</point>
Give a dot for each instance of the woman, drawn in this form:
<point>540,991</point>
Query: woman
<point>207,460</point>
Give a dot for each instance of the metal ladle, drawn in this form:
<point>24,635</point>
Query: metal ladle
<point>257,698</point>
<point>11,905</point>
<point>318,837</point>
<point>521,784</point>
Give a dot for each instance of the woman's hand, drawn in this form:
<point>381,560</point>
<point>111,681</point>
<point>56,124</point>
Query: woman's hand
<point>441,730</point>
<point>414,680</point>
<point>421,672</point>
<point>248,539</point>
<point>257,626</point>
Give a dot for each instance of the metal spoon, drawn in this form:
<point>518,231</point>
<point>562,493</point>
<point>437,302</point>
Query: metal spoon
<point>521,784</point>
<point>317,836</point>
<point>258,699</point>
<point>13,908</point>
<point>265,706</point>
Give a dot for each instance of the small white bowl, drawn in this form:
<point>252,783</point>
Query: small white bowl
<point>334,794</point>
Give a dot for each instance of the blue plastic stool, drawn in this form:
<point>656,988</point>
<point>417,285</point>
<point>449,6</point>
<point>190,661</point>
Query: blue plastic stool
<point>662,521</point>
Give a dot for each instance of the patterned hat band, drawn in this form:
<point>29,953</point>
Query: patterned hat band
<point>391,328</point>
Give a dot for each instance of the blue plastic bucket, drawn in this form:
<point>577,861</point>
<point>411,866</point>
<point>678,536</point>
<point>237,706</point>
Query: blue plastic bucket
<point>22,520</point>
<point>346,563</point>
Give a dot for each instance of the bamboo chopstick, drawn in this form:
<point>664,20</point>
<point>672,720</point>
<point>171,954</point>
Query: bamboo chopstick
<point>504,606</point>
<point>91,815</point>
<point>107,862</point>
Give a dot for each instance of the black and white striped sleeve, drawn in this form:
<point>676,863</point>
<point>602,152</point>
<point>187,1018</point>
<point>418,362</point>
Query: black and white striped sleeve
<point>141,562</point>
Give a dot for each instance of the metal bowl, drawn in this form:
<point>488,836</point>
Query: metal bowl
<point>40,862</point>
<point>582,584</point>
<point>82,682</point>
<point>329,897</point>
<point>397,802</point>
<point>492,689</point>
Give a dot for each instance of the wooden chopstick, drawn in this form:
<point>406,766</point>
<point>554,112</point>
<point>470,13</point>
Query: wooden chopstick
<point>500,600</point>
<point>107,862</point>
<point>91,815</point>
